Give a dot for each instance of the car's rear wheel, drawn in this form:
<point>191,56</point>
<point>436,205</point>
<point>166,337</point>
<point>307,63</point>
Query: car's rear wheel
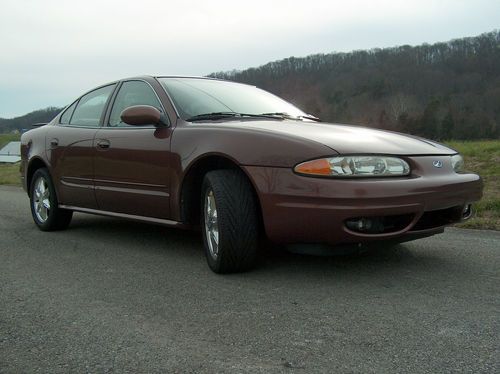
<point>229,221</point>
<point>44,205</point>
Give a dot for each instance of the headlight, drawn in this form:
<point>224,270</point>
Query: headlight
<point>355,166</point>
<point>457,162</point>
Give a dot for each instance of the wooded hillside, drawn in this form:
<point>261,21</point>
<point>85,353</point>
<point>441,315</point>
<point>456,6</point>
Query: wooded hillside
<point>441,91</point>
<point>26,121</point>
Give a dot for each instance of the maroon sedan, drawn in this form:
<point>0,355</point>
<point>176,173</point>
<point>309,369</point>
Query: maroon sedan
<point>243,164</point>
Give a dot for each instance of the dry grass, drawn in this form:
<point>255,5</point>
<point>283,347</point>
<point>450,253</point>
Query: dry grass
<point>483,158</point>
<point>9,173</point>
<point>6,138</point>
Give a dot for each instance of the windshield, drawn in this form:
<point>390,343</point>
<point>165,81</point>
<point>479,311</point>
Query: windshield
<point>196,96</point>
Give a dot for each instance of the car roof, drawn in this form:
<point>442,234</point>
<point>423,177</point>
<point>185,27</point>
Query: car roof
<point>154,77</point>
<point>187,76</point>
<point>147,76</point>
<point>197,77</point>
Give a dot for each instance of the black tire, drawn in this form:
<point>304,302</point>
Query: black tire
<point>56,218</point>
<point>236,219</point>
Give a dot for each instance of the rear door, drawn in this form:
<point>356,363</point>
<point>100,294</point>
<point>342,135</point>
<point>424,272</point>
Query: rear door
<point>71,151</point>
<point>132,162</point>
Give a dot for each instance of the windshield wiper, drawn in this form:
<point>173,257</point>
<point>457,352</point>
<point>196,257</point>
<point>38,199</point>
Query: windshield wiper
<point>221,115</point>
<point>285,115</point>
<point>311,117</point>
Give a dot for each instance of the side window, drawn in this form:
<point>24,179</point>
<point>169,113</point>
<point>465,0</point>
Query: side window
<point>64,120</point>
<point>89,109</point>
<point>132,93</point>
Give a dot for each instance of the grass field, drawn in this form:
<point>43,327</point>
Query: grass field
<point>9,173</point>
<point>481,157</point>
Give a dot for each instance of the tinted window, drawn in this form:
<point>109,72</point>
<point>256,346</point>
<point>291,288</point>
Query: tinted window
<point>132,93</point>
<point>90,107</point>
<point>67,114</point>
<point>194,96</point>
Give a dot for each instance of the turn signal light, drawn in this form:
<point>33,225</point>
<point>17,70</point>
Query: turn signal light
<point>315,167</point>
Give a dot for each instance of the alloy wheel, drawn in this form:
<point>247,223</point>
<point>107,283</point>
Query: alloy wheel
<point>211,224</point>
<point>41,200</point>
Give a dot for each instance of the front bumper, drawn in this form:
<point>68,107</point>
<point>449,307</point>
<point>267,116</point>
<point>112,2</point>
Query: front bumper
<point>298,209</point>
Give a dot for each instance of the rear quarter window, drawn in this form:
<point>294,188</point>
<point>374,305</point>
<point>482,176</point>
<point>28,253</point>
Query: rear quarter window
<point>89,110</point>
<point>66,116</point>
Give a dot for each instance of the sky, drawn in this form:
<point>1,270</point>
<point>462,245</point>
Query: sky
<point>52,51</point>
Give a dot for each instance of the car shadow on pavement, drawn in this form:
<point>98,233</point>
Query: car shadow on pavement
<point>136,236</point>
<point>344,256</point>
<point>188,244</point>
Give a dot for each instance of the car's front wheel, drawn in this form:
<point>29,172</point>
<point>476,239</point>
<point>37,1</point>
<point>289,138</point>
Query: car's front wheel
<point>44,205</point>
<point>229,221</point>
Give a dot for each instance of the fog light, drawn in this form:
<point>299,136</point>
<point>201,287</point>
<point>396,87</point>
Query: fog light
<point>359,224</point>
<point>467,212</point>
<point>380,224</point>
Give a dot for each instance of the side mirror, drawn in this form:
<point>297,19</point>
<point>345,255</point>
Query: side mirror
<point>140,115</point>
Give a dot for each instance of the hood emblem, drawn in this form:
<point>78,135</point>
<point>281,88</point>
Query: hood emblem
<point>437,163</point>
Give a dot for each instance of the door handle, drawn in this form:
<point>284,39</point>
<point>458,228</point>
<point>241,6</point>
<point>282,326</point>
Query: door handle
<point>54,142</point>
<point>104,144</point>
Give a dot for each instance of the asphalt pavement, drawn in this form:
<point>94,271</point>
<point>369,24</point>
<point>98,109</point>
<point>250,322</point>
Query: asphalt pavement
<point>109,295</point>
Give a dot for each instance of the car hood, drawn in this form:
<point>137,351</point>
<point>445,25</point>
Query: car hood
<point>346,139</point>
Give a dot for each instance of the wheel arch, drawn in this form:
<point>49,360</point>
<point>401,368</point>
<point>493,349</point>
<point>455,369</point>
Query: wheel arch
<point>190,191</point>
<point>34,164</point>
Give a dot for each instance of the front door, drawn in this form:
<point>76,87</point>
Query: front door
<point>131,164</point>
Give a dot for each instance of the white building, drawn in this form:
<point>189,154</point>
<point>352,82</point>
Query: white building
<point>11,153</point>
